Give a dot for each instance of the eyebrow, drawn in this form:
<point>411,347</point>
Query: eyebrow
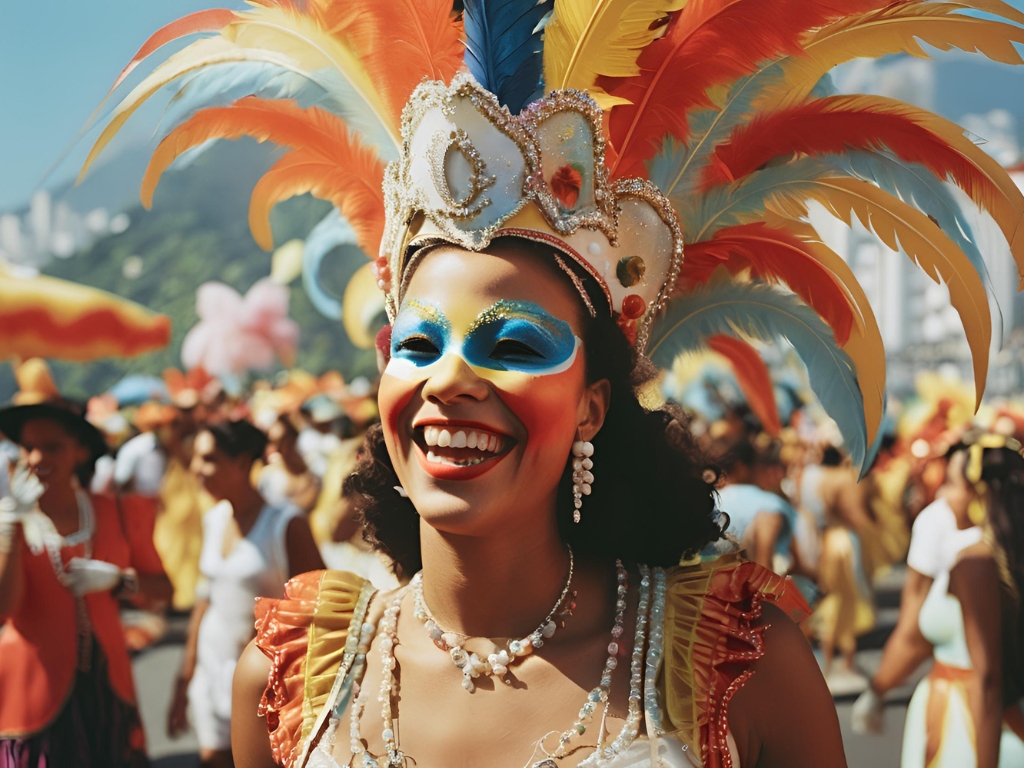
<point>429,312</point>
<point>507,309</point>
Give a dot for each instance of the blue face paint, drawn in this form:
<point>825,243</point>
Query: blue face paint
<point>511,336</point>
<point>519,336</point>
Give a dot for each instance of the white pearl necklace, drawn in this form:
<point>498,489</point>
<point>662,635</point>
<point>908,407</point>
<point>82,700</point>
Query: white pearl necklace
<point>600,695</point>
<point>496,664</point>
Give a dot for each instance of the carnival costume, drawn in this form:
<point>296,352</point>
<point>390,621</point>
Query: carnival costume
<point>66,691</point>
<point>667,149</point>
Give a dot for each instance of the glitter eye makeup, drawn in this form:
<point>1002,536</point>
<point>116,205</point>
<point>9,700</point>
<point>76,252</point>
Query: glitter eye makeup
<point>520,336</point>
<point>513,336</point>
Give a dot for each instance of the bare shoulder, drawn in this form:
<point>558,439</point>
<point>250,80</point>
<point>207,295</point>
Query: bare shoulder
<point>252,671</point>
<point>974,571</point>
<point>784,715</point>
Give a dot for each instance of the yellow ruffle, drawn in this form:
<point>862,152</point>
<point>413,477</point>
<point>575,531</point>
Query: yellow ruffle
<point>711,644</point>
<point>304,635</point>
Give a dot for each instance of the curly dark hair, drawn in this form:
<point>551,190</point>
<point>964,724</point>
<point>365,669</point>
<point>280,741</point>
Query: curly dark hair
<point>653,501</point>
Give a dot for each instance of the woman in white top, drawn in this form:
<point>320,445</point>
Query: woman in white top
<point>250,549</point>
<point>966,712</point>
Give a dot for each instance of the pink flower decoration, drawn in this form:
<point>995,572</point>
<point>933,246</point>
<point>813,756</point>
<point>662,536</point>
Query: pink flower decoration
<point>236,334</point>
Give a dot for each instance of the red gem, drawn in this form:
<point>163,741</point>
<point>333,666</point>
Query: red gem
<point>565,185</point>
<point>633,306</point>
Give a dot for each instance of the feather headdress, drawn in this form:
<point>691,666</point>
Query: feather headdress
<point>669,147</point>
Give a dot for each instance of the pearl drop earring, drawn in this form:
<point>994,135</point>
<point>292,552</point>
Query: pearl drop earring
<point>582,477</point>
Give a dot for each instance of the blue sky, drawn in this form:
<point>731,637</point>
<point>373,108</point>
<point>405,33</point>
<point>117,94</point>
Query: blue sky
<point>57,60</point>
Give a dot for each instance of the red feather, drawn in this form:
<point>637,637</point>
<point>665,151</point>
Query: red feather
<point>835,125</point>
<point>710,43</point>
<point>776,256</point>
<point>753,377</point>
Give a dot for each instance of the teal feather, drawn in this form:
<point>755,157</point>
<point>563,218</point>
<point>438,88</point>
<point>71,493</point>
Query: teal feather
<point>676,169</point>
<point>745,200</point>
<point>755,310</point>
<point>915,184</point>
<point>504,48</point>
<point>332,231</point>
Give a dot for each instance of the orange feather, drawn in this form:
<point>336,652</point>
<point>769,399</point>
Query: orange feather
<point>776,256</point>
<point>401,43</point>
<point>350,180</point>
<point>834,125</point>
<point>318,134</point>
<point>753,377</point>
<point>212,20</point>
<point>710,43</point>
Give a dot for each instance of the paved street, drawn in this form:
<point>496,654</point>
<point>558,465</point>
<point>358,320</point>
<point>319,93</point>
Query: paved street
<point>155,670</point>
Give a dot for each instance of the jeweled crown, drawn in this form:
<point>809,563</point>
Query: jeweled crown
<point>470,172</point>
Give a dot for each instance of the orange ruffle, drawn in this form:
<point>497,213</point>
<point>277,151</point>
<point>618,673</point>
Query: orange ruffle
<point>303,634</point>
<point>711,645</point>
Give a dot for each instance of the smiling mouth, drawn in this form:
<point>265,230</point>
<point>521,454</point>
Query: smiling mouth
<point>458,446</point>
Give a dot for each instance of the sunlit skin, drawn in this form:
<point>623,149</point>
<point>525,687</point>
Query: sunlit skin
<point>534,405</point>
<point>493,559</point>
<point>221,475</point>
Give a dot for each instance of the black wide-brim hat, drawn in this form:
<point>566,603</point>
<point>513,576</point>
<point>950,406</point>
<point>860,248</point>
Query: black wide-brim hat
<point>67,413</point>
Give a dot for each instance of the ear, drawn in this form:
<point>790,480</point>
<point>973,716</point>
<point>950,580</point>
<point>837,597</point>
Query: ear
<point>593,408</point>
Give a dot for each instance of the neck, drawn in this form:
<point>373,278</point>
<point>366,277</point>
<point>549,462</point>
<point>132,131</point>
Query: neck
<point>59,501</point>
<point>245,502</point>
<point>495,587</point>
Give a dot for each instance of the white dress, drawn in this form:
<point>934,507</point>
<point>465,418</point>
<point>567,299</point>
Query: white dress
<point>942,624</point>
<point>256,567</point>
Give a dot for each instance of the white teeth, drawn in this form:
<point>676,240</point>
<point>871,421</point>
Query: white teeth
<point>480,441</point>
<point>435,459</point>
<point>430,435</point>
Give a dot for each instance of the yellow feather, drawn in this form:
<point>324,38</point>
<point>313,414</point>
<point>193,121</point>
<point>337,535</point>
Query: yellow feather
<point>898,225</point>
<point>361,304</point>
<point>588,38</point>
<point>269,35</point>
<point>865,346</point>
<point>895,29</point>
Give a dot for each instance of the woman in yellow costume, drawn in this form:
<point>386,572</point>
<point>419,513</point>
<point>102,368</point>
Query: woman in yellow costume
<point>574,186</point>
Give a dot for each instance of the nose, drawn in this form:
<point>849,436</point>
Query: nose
<point>454,380</point>
<point>34,458</point>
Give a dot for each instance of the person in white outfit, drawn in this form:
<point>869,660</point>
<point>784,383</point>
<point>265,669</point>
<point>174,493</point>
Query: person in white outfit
<point>250,549</point>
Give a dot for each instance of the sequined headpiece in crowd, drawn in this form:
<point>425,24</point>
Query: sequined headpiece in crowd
<point>668,149</point>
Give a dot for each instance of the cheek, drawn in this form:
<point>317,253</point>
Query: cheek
<point>546,406</point>
<point>393,397</point>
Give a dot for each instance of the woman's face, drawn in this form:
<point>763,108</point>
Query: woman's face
<point>956,491</point>
<point>486,389</point>
<point>221,474</point>
<point>51,452</point>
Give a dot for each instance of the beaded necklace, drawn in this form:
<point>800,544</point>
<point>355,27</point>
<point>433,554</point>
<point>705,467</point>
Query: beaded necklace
<point>498,663</point>
<point>395,758</point>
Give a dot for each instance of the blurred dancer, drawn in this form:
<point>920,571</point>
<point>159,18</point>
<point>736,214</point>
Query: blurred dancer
<point>286,478</point>
<point>845,612</point>
<point>762,521</point>
<point>66,556</point>
<point>250,549</point>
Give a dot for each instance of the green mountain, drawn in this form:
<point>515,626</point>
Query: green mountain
<point>198,231</point>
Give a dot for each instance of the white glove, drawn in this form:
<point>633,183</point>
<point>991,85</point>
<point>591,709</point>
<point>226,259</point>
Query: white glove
<point>868,713</point>
<point>86,576</point>
<point>23,498</point>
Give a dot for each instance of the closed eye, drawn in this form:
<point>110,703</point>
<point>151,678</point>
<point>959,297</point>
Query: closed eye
<point>513,348</point>
<point>418,345</point>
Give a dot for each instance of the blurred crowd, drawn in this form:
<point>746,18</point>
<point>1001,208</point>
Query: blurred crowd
<point>221,497</point>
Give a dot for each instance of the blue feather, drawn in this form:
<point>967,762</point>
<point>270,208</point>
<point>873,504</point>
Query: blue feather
<point>219,85</point>
<point>676,169</point>
<point>915,184</point>
<point>332,231</point>
<point>755,310</point>
<point>504,48</point>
